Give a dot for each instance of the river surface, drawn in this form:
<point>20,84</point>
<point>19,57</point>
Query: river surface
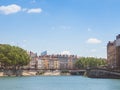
<point>58,83</point>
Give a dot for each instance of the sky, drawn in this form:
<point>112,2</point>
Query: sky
<point>79,27</point>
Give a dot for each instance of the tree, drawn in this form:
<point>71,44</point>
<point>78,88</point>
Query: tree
<point>13,57</point>
<point>84,62</point>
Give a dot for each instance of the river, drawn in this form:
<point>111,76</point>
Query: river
<point>58,83</point>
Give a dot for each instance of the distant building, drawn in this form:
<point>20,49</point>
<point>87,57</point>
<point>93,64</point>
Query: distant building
<point>48,62</point>
<point>58,61</point>
<point>33,60</point>
<point>44,53</point>
<point>113,52</point>
<point>51,62</point>
<point>39,63</point>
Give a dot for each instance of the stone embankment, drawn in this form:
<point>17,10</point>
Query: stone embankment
<point>100,73</point>
<point>29,73</point>
<point>53,73</point>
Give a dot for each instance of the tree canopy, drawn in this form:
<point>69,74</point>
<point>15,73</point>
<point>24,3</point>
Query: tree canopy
<point>85,62</point>
<point>13,56</point>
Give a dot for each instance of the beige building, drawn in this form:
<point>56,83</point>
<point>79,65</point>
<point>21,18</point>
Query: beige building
<point>58,61</point>
<point>49,62</point>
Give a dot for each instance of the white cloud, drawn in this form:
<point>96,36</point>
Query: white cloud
<point>10,9</point>
<point>93,41</point>
<point>13,8</point>
<point>34,10</point>
<point>65,53</point>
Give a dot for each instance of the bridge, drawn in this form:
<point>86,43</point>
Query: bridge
<point>77,72</point>
<point>102,73</point>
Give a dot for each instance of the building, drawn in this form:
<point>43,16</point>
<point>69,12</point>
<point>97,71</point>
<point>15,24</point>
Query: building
<point>51,62</point>
<point>44,53</point>
<point>44,60</point>
<point>58,61</point>
<point>71,61</point>
<point>113,52</point>
<point>39,63</point>
<point>118,50</point>
<point>33,60</point>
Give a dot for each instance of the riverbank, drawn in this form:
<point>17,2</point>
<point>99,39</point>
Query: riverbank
<point>53,73</point>
<point>1,74</point>
<point>34,73</point>
<point>91,73</point>
<point>29,73</point>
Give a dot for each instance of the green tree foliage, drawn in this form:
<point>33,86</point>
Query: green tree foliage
<point>89,62</point>
<point>13,56</point>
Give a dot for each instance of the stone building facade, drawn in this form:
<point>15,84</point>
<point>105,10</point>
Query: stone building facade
<point>113,52</point>
<point>118,50</point>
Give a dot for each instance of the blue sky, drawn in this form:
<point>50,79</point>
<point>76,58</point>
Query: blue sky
<point>80,27</point>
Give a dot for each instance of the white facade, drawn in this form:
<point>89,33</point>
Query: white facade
<point>40,64</point>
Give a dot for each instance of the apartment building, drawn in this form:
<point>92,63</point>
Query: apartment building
<point>52,62</point>
<point>113,52</point>
<point>58,61</point>
<point>33,60</point>
<point>118,50</point>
